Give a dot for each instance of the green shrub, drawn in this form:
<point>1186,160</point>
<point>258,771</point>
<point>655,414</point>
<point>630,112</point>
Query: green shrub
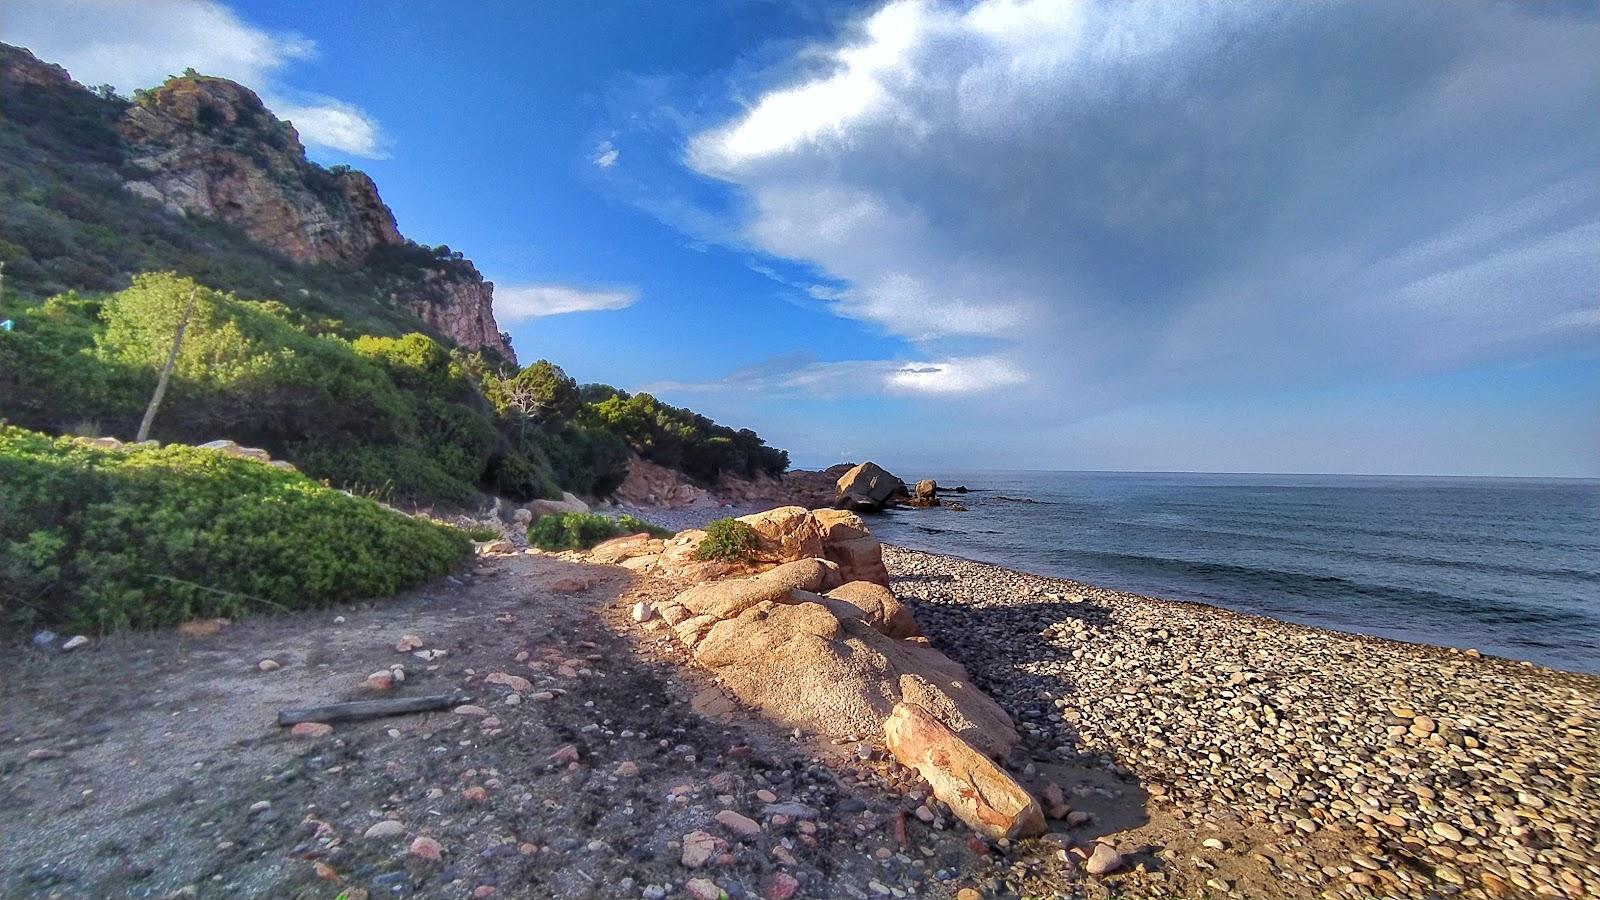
<point>635,525</point>
<point>571,531</point>
<point>99,540</point>
<point>729,540</point>
<point>480,532</point>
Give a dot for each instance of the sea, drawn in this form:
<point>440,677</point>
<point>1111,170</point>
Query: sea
<point>1509,566</point>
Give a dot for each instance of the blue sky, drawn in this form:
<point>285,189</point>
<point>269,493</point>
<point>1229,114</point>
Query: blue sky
<point>1318,237</point>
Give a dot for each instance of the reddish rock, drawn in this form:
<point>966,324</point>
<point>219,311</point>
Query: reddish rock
<point>704,889</point>
<point>739,824</point>
<point>427,848</point>
<point>979,792</point>
<point>311,730</point>
<point>781,886</point>
<point>475,794</point>
<point>378,681</point>
<point>698,848</point>
<point>409,643</point>
<point>199,628</point>
<point>515,682</point>
<point>567,754</point>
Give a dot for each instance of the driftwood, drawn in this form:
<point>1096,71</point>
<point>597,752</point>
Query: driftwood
<point>368,709</point>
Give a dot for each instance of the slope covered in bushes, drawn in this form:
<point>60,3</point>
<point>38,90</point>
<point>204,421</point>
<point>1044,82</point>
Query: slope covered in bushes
<point>99,540</point>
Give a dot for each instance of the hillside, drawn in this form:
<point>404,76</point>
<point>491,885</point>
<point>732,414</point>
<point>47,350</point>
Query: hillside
<point>321,333</point>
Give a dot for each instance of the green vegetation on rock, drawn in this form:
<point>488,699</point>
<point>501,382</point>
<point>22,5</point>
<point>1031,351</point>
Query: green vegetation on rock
<point>141,537</point>
<point>729,540</point>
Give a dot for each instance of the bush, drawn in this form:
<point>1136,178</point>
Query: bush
<point>572,531</point>
<point>729,540</point>
<point>98,540</point>
<point>635,525</point>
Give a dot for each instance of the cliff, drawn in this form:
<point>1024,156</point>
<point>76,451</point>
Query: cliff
<point>204,147</point>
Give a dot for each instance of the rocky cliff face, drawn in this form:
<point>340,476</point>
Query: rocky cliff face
<point>202,146</point>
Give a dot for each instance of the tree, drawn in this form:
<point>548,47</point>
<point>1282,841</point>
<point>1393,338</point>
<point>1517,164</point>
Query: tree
<point>166,370</point>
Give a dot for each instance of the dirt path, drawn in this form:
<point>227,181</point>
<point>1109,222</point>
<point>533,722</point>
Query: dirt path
<point>150,765</point>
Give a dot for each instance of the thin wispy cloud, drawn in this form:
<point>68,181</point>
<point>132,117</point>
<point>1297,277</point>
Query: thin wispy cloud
<point>1119,200</point>
<point>513,302</point>
<point>605,155</point>
<point>134,45</point>
<point>800,374</point>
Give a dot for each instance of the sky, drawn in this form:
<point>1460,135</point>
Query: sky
<point>1026,234</point>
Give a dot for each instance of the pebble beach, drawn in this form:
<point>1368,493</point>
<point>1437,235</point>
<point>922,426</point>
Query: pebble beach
<point>1339,765</point>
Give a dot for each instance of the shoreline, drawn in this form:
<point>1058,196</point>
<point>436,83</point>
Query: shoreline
<point>681,518</point>
<point>1349,761</point>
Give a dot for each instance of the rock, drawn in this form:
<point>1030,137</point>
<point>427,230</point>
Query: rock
<point>475,794</point>
<point>878,608</point>
<point>42,753</point>
<point>979,792</point>
<point>741,825</point>
<point>496,547</point>
<point>805,574</point>
<point>1447,831</point>
<point>811,666</point>
<point>388,828</point>
<point>859,559</point>
<point>568,503</point>
<point>44,638</point>
<point>408,643</point>
<point>643,611</point>
<point>628,769</point>
<point>868,487</point>
<point>311,730</point>
<point>698,848</point>
<point>427,848</point>
<point>468,709</point>
<point>381,680</point>
<point>199,628</point>
<point>522,517</point>
<point>505,679</point>
<point>565,754</point>
<point>926,489</point>
<point>483,891</point>
<point>75,642</point>
<point>269,665</point>
<point>619,550</point>
<point>704,889</point>
<point>1076,818</point>
<point>785,534</point>
<point>780,886</point>
<point>1104,860</point>
<point>430,655</point>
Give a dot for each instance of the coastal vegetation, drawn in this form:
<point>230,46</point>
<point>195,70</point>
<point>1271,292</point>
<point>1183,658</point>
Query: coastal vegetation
<point>728,540</point>
<point>580,531</point>
<point>138,537</point>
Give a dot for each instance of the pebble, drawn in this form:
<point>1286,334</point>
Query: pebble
<point>269,665</point>
<point>469,709</point>
<point>311,730</point>
<point>703,889</point>
<point>427,848</point>
<point>1103,860</point>
<point>388,828</point>
<point>75,642</point>
<point>739,824</point>
<point>698,848</point>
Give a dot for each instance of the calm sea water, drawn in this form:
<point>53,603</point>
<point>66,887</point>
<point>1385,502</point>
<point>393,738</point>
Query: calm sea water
<point>1509,566</point>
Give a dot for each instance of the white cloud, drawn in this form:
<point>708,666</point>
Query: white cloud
<point>133,45</point>
<point>530,301</point>
<point>798,374</point>
<point>1121,199</point>
<point>605,155</point>
<point>334,124</point>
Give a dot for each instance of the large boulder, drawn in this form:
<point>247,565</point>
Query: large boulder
<point>859,560</point>
<point>869,487</point>
<point>619,550</point>
<point>785,534</point>
<point>979,792</point>
<point>805,575</point>
<point>821,667</point>
<point>878,608</point>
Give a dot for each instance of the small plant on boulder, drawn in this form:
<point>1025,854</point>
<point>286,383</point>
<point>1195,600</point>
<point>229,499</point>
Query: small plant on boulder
<point>729,540</point>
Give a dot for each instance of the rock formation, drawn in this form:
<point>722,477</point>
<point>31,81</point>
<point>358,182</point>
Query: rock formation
<point>208,147</point>
<point>868,487</point>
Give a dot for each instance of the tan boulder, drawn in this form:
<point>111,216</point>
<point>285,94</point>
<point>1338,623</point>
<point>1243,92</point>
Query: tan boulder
<point>785,534</point>
<point>979,792</point>
<point>819,667</point>
<point>618,550</point>
<point>869,486</point>
<point>727,599</point>
<point>805,574</point>
<point>840,525</point>
<point>860,559</point>
<point>879,608</point>
<point>568,503</point>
